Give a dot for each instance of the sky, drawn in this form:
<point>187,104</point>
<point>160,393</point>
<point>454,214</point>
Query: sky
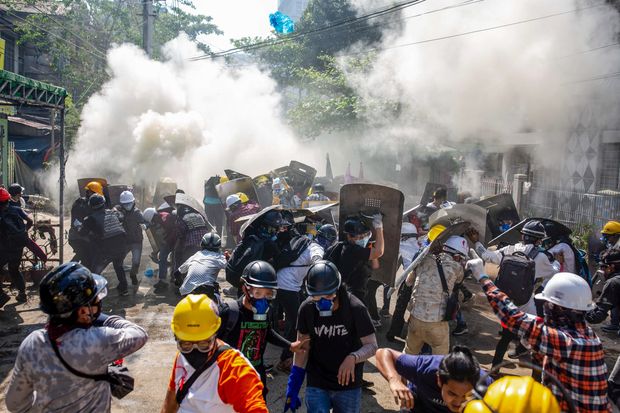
<point>236,18</point>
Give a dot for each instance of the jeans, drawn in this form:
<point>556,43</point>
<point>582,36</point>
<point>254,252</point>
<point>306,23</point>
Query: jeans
<point>289,301</point>
<point>163,261</point>
<point>342,401</point>
<point>460,320</point>
<point>13,260</point>
<point>615,316</point>
<point>502,346</point>
<point>371,299</point>
<point>135,248</point>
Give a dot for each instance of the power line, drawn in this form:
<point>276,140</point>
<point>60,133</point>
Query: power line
<point>340,23</point>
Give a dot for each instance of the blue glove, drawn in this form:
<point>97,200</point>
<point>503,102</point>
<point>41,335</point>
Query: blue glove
<point>295,380</point>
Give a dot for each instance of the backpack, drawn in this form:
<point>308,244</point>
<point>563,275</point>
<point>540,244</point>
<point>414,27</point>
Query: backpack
<point>291,252</point>
<point>516,276</point>
<point>230,312</point>
<point>250,249</point>
<point>581,264</point>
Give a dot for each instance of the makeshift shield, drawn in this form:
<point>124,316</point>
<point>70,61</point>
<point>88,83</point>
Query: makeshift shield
<point>598,282</point>
<point>554,230</point>
<point>82,182</point>
<point>280,172</point>
<point>245,185</point>
<point>300,177</point>
<point>114,192</point>
<point>474,214</point>
<point>431,187</point>
<point>262,183</point>
<point>154,241</point>
<point>231,175</point>
<point>250,219</point>
<point>163,188</point>
<point>188,201</point>
<point>455,229</point>
<point>500,209</point>
<point>369,199</point>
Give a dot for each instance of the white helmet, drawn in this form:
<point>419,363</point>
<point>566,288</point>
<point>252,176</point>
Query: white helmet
<point>148,214</point>
<point>456,245</point>
<point>127,197</point>
<point>568,290</point>
<point>408,229</point>
<point>231,200</point>
<point>276,184</point>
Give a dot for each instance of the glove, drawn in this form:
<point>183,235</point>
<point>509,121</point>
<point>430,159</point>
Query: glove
<point>377,221</point>
<point>295,380</point>
<point>476,266</point>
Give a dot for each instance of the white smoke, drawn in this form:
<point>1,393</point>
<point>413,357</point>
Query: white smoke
<point>492,85</point>
<point>179,118</point>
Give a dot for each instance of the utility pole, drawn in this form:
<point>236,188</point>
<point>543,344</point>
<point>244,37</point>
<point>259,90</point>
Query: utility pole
<point>147,26</point>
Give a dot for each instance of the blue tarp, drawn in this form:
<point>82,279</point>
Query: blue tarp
<point>281,23</point>
<point>31,149</point>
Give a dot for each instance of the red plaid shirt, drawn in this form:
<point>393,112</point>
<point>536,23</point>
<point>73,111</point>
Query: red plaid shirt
<point>574,355</point>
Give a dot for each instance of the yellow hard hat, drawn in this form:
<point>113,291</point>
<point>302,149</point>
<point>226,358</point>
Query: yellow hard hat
<point>515,394</point>
<point>435,231</point>
<point>223,179</point>
<point>243,197</point>
<point>611,228</point>
<point>95,187</point>
<point>195,318</point>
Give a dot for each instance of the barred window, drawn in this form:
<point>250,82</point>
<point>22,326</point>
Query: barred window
<point>610,166</point>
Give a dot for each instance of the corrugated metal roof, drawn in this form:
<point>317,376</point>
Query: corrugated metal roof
<point>29,123</point>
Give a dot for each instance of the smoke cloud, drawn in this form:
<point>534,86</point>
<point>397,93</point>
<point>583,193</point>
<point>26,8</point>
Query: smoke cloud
<point>488,84</point>
<point>183,119</point>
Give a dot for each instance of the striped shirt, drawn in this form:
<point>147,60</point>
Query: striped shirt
<point>571,352</point>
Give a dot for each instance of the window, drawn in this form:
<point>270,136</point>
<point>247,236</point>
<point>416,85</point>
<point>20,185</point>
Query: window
<point>9,54</point>
<point>610,166</point>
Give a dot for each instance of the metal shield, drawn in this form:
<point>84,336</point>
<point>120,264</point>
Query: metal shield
<point>300,177</point>
<point>553,229</point>
<point>114,192</point>
<point>250,219</point>
<point>262,183</point>
<point>230,174</point>
<point>245,185</point>
<point>499,207</point>
<point>432,187</point>
<point>474,214</point>
<point>369,199</point>
<point>163,188</point>
<point>187,200</point>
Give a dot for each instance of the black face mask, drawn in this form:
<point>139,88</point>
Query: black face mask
<point>196,358</point>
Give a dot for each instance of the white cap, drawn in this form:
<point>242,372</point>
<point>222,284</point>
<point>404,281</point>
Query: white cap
<point>127,197</point>
<point>568,290</point>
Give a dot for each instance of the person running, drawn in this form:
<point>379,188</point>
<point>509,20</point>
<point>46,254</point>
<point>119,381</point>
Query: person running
<point>77,334</point>
<point>570,349</point>
<point>335,329</point>
<point>207,375</point>
<point>435,384</point>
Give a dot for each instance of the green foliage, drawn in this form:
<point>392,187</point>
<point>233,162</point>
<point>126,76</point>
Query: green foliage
<point>581,236</point>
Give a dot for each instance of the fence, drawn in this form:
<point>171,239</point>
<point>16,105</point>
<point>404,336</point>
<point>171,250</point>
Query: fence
<point>573,209</point>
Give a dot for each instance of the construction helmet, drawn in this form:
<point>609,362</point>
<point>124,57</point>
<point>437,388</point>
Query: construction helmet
<point>456,245</point>
<point>148,214</point>
<point>611,228</point>
<point>260,274</point>
<point>211,241</point>
<point>318,188</point>
<point>96,201</point>
<point>515,394</point>
<point>15,189</point>
<point>408,229</point>
<point>127,197</point>
<point>69,287</point>
<point>355,226</point>
<point>323,279</point>
<point>534,229</point>
<point>4,195</point>
<point>224,179</point>
<point>195,318</point>
<point>435,231</point>
<point>243,197</point>
<point>568,290</point>
<point>232,200</point>
<point>95,187</point>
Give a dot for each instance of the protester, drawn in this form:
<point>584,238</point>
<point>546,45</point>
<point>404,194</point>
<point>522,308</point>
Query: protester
<point>163,227</point>
<point>238,206</point>
<point>191,227</point>
<point>609,299</point>
<point>132,220</point>
<point>79,241</point>
<point>571,351</point>
<point>13,238</point>
<point>338,335</point>
<point>318,193</point>
<point>198,275</point>
<point>16,191</point>
<point>207,375</point>
<point>610,234</point>
<point>428,322</point>
<point>76,331</point>
<point>435,384</point>
<point>440,199</point>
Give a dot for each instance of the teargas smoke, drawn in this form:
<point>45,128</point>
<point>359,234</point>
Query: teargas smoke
<point>183,119</point>
<point>492,73</point>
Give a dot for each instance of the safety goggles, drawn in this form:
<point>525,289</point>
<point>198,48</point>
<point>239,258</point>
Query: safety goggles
<point>260,293</point>
<point>318,297</point>
<point>204,346</point>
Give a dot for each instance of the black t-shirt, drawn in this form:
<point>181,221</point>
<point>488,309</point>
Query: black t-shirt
<point>352,263</point>
<point>333,338</point>
<point>250,336</point>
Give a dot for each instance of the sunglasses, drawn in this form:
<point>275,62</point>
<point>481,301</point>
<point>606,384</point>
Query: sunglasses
<point>204,346</point>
